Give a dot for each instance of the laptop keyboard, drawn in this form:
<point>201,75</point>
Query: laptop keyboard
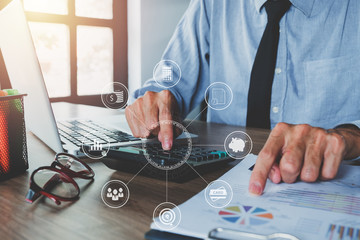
<point>78,131</point>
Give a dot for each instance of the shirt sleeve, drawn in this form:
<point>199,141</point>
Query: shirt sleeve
<point>354,123</point>
<point>189,48</point>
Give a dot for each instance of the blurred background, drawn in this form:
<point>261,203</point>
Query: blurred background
<point>84,44</point>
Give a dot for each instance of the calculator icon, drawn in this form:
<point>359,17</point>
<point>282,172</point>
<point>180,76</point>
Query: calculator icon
<point>167,73</point>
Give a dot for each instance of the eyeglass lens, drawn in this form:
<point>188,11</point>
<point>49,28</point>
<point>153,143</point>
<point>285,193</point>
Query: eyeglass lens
<point>55,183</point>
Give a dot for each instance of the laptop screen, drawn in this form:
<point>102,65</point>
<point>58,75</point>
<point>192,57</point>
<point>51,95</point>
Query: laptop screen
<point>25,74</point>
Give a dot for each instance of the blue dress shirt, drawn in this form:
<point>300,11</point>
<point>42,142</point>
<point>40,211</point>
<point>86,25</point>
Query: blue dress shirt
<point>317,75</point>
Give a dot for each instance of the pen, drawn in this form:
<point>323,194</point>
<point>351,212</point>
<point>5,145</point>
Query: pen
<point>228,234</point>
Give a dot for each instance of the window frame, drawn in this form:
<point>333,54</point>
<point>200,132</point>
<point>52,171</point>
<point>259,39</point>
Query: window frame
<point>118,24</point>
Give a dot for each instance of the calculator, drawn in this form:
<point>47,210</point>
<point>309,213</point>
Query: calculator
<point>198,160</point>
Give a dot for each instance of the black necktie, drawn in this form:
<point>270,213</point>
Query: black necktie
<point>262,74</point>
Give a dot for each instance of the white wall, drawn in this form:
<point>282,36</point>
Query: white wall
<point>151,24</point>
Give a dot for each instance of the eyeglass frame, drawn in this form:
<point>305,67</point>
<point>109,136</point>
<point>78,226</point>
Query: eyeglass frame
<point>35,191</point>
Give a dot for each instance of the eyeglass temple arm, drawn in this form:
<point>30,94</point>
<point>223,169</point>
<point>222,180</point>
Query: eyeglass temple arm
<point>32,195</point>
<point>70,172</point>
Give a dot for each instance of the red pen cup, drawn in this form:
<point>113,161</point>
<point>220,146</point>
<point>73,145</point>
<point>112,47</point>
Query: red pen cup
<point>13,148</point>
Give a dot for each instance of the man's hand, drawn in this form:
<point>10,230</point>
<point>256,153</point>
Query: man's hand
<point>293,151</point>
<point>147,111</point>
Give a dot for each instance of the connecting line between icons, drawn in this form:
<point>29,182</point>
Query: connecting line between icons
<point>133,114</point>
<point>196,116</point>
<point>207,145</point>
<point>197,173</point>
<point>137,173</point>
<point>166,189</point>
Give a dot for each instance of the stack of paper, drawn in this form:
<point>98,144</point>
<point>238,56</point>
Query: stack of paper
<point>321,210</point>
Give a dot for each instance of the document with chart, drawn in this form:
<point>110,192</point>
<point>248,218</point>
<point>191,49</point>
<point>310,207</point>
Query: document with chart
<point>322,210</point>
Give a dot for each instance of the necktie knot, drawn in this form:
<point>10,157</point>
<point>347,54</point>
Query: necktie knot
<point>276,9</point>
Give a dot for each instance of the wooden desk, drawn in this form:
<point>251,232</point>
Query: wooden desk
<point>89,217</point>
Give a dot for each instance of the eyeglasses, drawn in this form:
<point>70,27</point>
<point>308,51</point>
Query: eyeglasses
<point>57,181</point>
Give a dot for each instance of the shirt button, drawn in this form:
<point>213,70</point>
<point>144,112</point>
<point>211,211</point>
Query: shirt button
<point>275,109</point>
<point>277,70</point>
<point>280,30</point>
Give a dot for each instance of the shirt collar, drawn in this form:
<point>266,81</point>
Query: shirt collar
<point>305,6</point>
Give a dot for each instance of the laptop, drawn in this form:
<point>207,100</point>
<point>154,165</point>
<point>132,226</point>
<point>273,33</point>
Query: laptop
<point>25,75</point>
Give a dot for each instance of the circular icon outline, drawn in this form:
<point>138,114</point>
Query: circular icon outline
<point>231,96</point>
<point>167,225</point>
<point>172,63</point>
<point>123,185</point>
<point>187,154</point>
<point>227,202</point>
<point>227,150</point>
<point>86,152</point>
<point>105,94</point>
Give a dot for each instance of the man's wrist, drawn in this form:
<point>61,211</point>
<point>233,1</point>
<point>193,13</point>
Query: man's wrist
<point>351,135</point>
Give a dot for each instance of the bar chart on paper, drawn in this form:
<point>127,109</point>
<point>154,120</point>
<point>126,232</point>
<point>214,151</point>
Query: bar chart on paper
<point>337,232</point>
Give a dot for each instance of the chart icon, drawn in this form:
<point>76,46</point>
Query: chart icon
<point>96,146</point>
<point>246,215</point>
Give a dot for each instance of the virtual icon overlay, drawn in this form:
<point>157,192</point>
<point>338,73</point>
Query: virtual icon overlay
<point>218,194</point>
<point>115,95</point>
<point>167,216</point>
<point>95,145</point>
<point>238,144</point>
<point>167,73</point>
<point>166,161</point>
<point>115,194</point>
<point>173,162</point>
<point>218,96</point>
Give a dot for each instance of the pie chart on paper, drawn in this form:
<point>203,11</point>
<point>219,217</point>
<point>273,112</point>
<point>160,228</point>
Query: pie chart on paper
<point>246,215</point>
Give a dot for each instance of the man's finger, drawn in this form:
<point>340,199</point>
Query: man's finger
<point>332,156</point>
<point>152,118</point>
<point>265,161</point>
<point>314,155</point>
<point>274,174</point>
<point>291,161</point>
<point>137,128</point>
<point>166,128</point>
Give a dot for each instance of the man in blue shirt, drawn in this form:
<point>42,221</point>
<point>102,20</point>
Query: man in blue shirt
<point>315,110</point>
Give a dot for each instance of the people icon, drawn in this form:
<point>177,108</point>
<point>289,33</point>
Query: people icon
<point>115,194</point>
<point>121,194</point>
<point>109,193</point>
